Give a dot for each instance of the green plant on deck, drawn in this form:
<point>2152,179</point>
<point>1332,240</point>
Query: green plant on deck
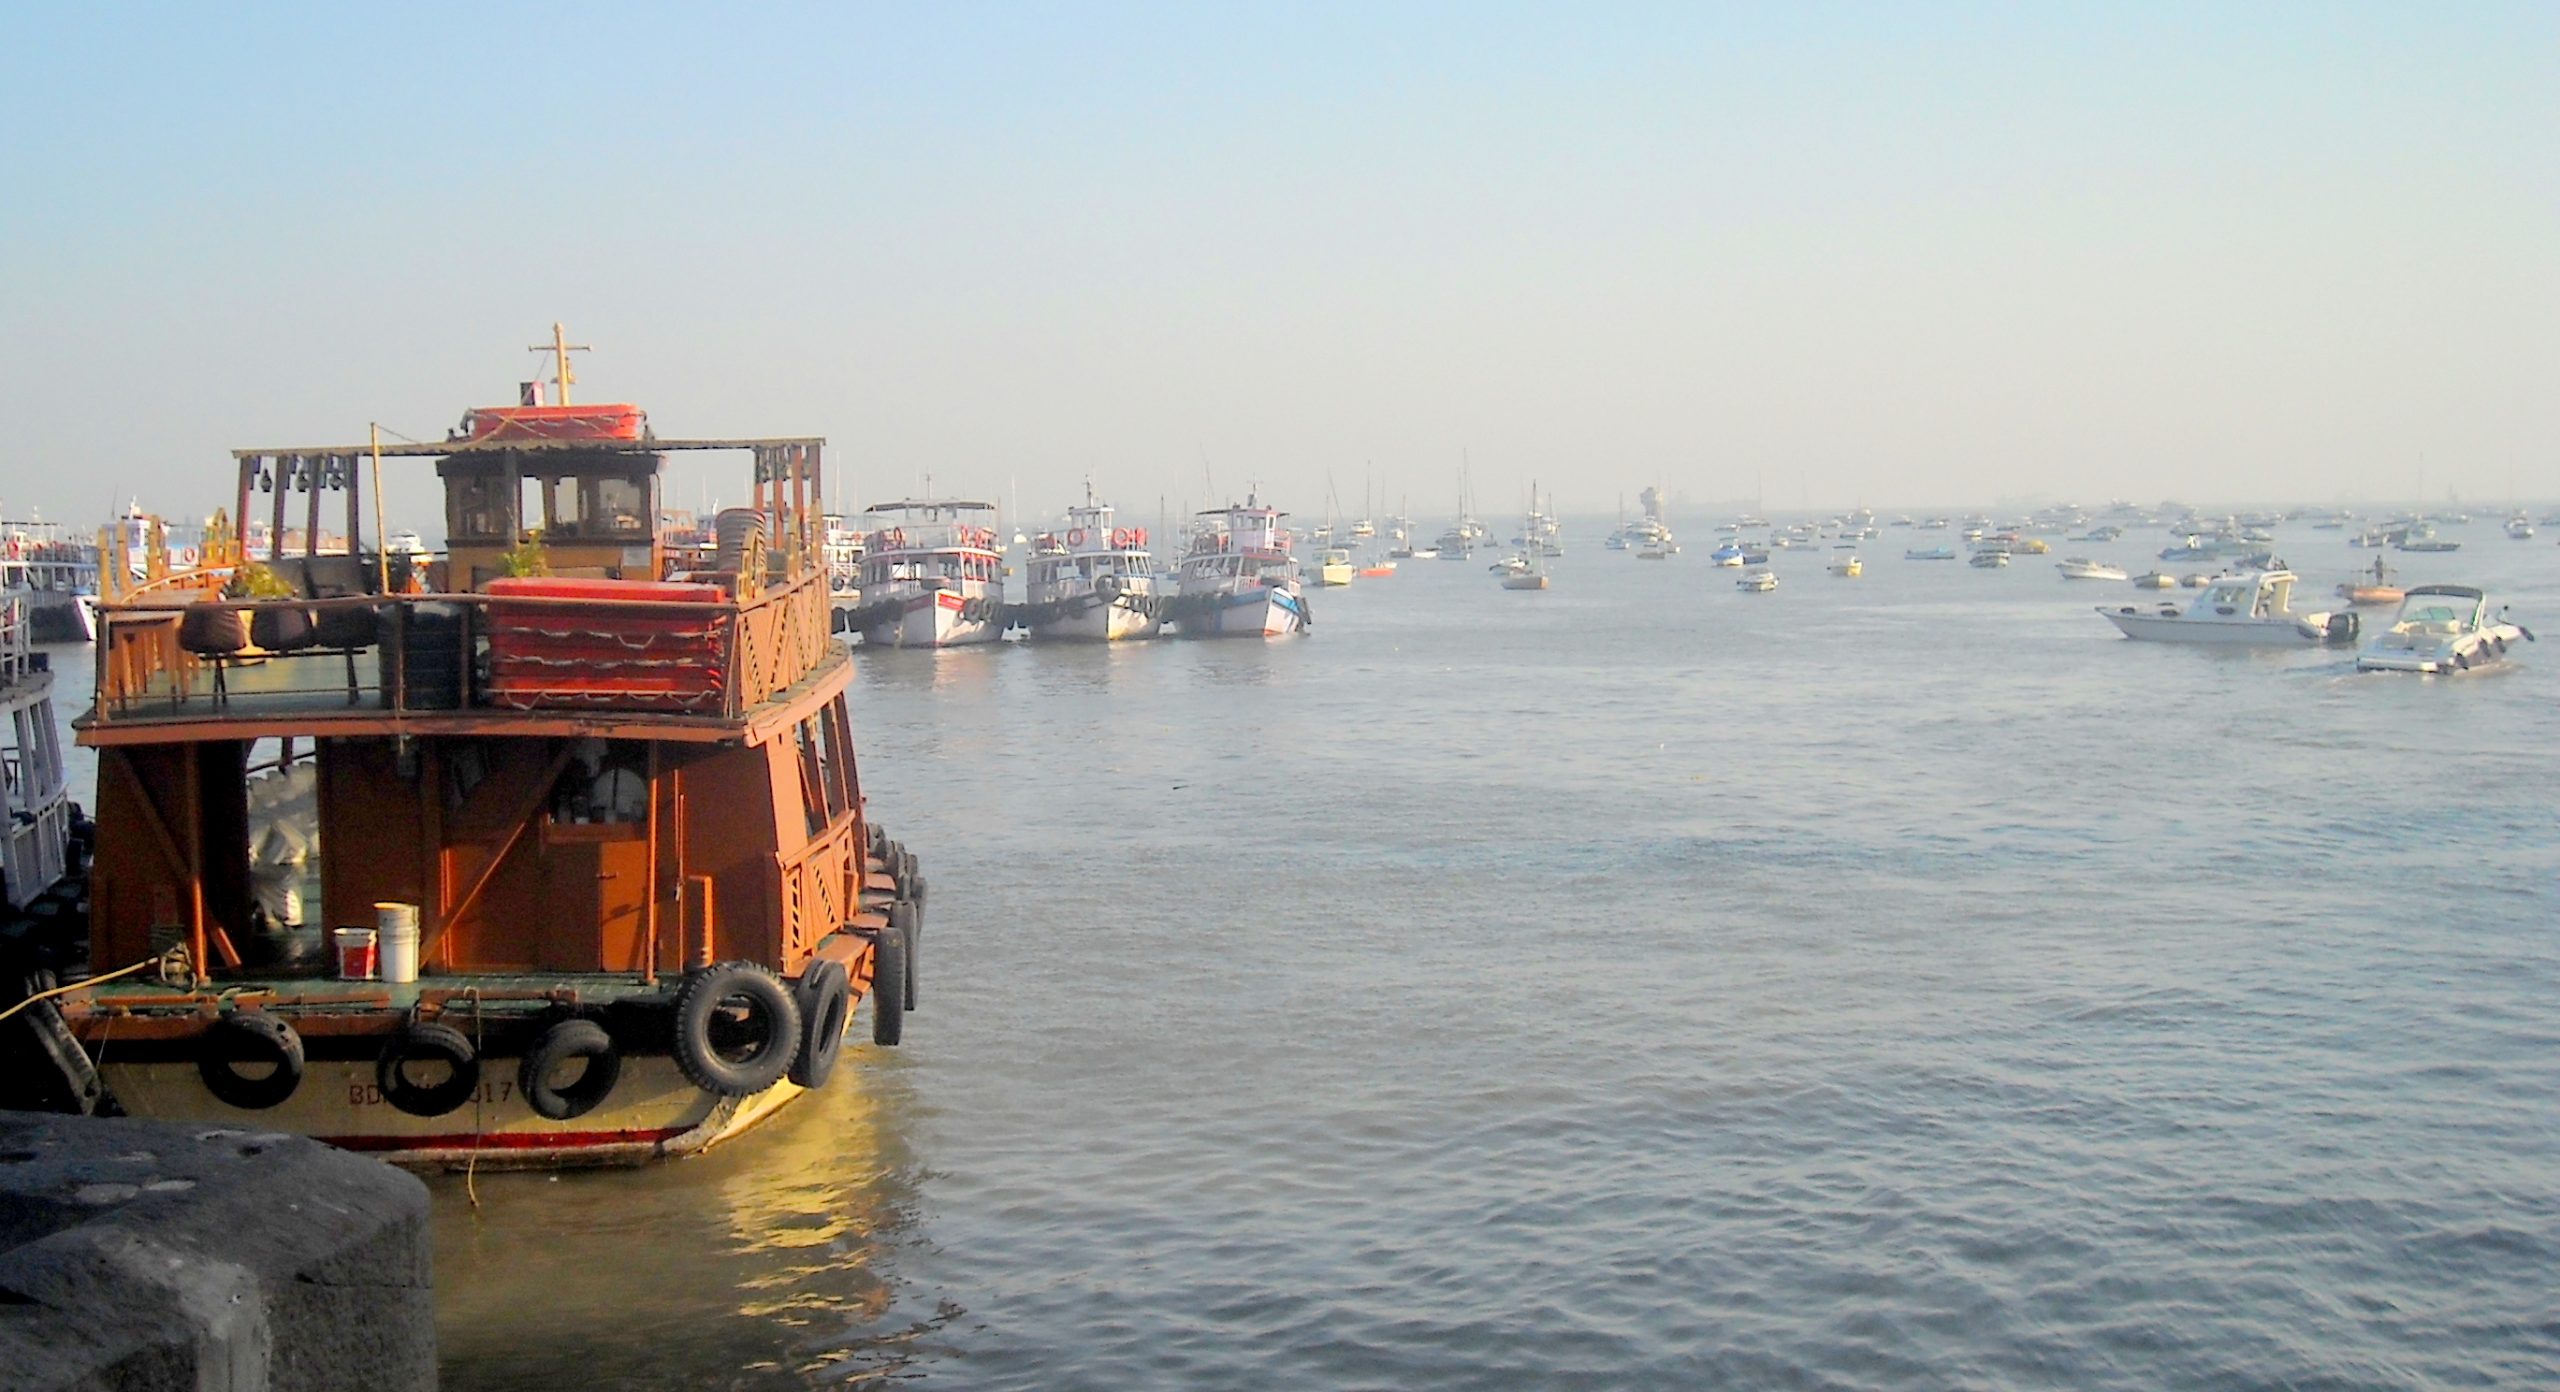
<point>530,556</point>
<point>255,580</point>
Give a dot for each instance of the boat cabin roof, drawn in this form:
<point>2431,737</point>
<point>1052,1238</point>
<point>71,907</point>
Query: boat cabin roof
<point>931,505</point>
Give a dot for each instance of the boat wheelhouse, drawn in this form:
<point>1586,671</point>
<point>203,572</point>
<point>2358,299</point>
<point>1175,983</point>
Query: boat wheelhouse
<point>1093,580</point>
<point>539,854</point>
<point>932,575</point>
<point>1238,580</point>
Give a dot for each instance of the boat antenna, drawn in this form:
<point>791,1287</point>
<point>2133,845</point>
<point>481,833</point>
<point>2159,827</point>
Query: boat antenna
<point>559,348</point>
<point>381,538</point>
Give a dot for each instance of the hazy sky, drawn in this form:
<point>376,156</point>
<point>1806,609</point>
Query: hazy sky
<point>1898,254</point>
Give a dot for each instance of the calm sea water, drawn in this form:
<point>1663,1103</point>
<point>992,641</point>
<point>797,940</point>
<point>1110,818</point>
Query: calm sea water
<point>1891,983</point>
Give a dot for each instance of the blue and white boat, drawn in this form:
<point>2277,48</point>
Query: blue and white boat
<point>1238,580</point>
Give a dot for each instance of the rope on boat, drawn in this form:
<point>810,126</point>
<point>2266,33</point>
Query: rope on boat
<point>154,960</point>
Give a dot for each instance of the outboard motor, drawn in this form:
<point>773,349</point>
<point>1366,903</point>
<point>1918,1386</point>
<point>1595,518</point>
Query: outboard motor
<point>2341,628</point>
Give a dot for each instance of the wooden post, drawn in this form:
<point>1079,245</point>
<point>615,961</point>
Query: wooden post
<point>194,804</point>
<point>312,472</point>
<point>698,910</point>
<point>249,468</point>
<point>649,909</point>
<point>286,466</point>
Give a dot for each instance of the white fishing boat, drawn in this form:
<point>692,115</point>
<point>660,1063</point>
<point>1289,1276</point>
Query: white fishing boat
<point>931,576</point>
<point>1655,549</point>
<point>1093,580</point>
<point>1757,582</point>
<point>1989,560</point>
<point>1239,580</point>
<point>2442,629</point>
<point>2236,609</point>
<point>2082,568</point>
<point>1332,566</point>
<point>841,543</point>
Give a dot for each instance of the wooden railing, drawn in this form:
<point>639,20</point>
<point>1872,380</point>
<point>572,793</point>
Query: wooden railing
<point>424,653</point>
<point>821,886</point>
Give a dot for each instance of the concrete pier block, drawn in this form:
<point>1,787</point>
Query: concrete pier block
<point>146,1255</point>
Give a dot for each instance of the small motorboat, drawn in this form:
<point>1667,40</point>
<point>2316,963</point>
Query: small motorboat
<point>1728,554</point>
<point>2520,528</point>
<point>1848,567</point>
<point>1757,582</point>
<point>1933,553</point>
<point>2247,609</point>
<point>2082,568</point>
<point>2155,580</point>
<point>1990,560</point>
<point>2440,630</point>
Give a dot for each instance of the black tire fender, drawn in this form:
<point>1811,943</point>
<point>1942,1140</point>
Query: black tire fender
<point>826,1007</point>
<point>888,988</point>
<point>421,1042</point>
<point>908,923</point>
<point>250,1037</point>
<point>769,1025</point>
<point>568,1039</point>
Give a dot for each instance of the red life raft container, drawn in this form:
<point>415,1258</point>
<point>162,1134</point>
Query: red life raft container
<point>610,653</point>
<point>611,421</point>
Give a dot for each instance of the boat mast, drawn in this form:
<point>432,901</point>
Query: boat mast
<point>560,348</point>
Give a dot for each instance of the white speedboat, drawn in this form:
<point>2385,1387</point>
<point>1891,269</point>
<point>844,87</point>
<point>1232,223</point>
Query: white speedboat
<point>1238,580</point>
<point>2520,527</point>
<point>1092,580</point>
<point>2442,629</point>
<point>931,577</point>
<point>1989,560</point>
<point>2238,609</point>
<point>1757,582</point>
<point>2082,568</point>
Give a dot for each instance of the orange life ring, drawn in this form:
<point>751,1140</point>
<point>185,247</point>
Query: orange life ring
<point>1076,537</point>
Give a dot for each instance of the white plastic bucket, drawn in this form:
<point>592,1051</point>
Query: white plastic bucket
<point>398,926</point>
<point>356,959</point>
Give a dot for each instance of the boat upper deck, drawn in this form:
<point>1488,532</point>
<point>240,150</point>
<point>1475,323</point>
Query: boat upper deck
<point>555,609</point>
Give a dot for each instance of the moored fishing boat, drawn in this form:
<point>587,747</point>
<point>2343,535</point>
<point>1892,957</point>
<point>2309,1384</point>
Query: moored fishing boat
<point>1238,580</point>
<point>55,577</point>
<point>1093,580</point>
<point>931,576</point>
<point>558,863</point>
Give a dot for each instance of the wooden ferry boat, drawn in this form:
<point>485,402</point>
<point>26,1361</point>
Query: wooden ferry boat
<point>618,804</point>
